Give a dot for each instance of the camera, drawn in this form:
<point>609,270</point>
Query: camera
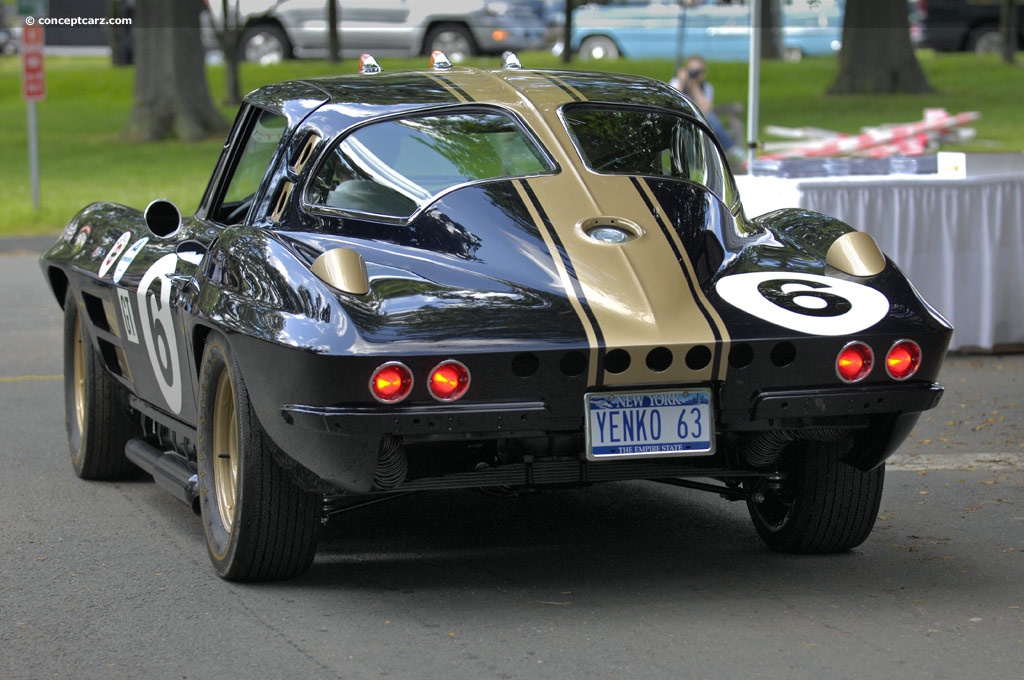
<point>695,72</point>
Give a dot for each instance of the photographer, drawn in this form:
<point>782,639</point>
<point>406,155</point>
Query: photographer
<point>692,81</point>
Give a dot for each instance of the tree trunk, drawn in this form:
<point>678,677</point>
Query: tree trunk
<point>1009,15</point>
<point>771,29</point>
<point>171,96</point>
<point>877,55</point>
<point>333,39</point>
<point>570,6</point>
<point>119,38</point>
<point>230,38</point>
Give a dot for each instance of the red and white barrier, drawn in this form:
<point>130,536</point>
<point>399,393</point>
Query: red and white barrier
<point>908,138</point>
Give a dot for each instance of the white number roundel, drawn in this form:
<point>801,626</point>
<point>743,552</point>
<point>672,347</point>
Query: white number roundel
<point>158,329</point>
<point>115,252</point>
<point>808,303</point>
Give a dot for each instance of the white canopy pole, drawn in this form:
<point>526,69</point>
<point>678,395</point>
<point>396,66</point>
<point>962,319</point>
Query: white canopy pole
<point>754,81</point>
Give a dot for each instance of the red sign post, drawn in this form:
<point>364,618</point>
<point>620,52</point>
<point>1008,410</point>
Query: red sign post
<point>33,77</point>
<point>33,88</point>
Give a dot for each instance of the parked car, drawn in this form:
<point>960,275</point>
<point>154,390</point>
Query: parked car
<point>9,40</point>
<point>483,278</point>
<point>650,29</point>
<point>272,31</point>
<point>964,25</point>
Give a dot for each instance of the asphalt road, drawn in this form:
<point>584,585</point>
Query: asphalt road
<point>631,580</point>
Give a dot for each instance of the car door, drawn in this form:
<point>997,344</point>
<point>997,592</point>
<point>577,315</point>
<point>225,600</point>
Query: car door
<point>155,272</point>
<point>150,277</point>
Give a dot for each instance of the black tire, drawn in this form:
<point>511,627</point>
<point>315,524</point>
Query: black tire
<point>985,40</point>
<point>599,47</point>
<point>259,525</point>
<point>794,55</point>
<point>96,413</point>
<point>265,44</point>
<point>454,40</point>
<point>827,507</point>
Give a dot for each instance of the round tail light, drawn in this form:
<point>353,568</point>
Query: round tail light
<point>903,360</point>
<point>391,382</point>
<point>448,381</point>
<point>854,362</point>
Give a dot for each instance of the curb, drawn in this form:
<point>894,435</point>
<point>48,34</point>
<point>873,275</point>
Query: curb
<point>957,461</point>
<point>23,245</point>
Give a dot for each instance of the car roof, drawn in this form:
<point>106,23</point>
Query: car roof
<point>372,94</point>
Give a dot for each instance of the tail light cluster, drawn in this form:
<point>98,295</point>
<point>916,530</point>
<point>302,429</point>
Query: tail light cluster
<point>855,361</point>
<point>392,382</point>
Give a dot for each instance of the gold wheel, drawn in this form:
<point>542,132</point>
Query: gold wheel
<point>225,450</point>
<point>259,524</point>
<point>96,413</point>
<point>78,386</point>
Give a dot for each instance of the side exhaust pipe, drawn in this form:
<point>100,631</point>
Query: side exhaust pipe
<point>171,472</point>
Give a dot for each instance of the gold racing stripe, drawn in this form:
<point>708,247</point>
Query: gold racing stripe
<point>638,294</point>
<point>448,85</point>
<point>567,280</point>
<point>636,291</point>
<point>708,310</point>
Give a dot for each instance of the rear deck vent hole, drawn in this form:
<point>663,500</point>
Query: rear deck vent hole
<point>783,354</point>
<point>698,357</point>
<point>741,355</point>
<point>617,361</point>
<point>525,365</point>
<point>573,364</point>
<point>659,359</point>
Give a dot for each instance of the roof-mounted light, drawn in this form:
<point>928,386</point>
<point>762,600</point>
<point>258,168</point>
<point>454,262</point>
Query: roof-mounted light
<point>510,60</point>
<point>439,62</point>
<point>367,64</point>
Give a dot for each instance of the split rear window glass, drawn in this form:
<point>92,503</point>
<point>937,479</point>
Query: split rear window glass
<point>641,141</point>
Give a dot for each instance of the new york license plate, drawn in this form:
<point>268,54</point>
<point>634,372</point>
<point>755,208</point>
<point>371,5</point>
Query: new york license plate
<point>649,424</point>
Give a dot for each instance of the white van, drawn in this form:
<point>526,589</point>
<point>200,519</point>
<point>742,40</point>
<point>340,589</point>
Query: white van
<point>284,29</point>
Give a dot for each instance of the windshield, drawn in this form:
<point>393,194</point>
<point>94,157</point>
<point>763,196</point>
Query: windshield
<point>642,141</point>
<point>394,167</point>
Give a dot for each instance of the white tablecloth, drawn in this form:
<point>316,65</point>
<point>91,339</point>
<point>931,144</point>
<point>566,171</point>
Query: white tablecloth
<point>960,241</point>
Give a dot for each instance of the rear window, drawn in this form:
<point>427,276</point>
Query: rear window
<point>393,167</point>
<point>642,141</point>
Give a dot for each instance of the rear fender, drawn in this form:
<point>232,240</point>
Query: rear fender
<point>257,286</point>
<point>874,445</point>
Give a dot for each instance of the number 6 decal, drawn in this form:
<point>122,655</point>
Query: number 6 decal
<point>808,303</point>
<point>158,329</point>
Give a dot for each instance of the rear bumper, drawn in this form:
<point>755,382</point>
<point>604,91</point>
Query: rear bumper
<point>771,405</point>
<point>340,444</point>
<point>768,409</point>
<point>502,419</point>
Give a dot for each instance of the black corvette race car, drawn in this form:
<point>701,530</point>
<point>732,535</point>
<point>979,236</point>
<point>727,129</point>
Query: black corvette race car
<point>461,278</point>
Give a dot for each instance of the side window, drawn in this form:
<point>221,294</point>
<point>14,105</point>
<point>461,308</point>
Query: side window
<point>250,168</point>
<point>393,167</point>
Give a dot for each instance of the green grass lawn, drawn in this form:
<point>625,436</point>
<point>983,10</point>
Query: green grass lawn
<point>84,157</point>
